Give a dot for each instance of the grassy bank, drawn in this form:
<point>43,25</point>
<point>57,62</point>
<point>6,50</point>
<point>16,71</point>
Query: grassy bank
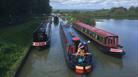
<point>14,42</point>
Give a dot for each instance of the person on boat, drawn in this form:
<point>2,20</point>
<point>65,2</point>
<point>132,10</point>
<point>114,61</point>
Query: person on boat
<point>81,49</point>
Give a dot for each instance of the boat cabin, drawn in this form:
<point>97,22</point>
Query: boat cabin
<point>42,34</point>
<point>39,36</point>
<point>76,42</point>
<point>100,36</point>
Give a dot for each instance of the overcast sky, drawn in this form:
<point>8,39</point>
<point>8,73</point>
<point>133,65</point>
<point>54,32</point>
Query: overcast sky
<point>91,4</point>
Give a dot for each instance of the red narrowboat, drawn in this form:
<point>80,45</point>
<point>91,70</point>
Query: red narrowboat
<point>105,41</point>
<point>41,36</point>
<point>76,51</point>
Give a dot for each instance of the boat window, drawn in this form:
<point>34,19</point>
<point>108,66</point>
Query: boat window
<point>93,34</point>
<point>99,38</point>
<point>83,29</point>
<point>109,41</point>
<point>106,41</point>
<point>87,32</point>
<point>90,33</point>
<point>114,41</point>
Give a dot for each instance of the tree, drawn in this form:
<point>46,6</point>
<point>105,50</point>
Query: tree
<point>14,11</point>
<point>24,7</point>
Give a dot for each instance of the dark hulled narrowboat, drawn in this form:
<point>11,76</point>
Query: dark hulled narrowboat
<point>56,19</point>
<point>41,36</point>
<point>76,51</point>
<point>105,41</point>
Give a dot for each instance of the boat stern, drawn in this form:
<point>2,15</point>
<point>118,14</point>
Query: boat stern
<point>117,51</point>
<point>37,44</point>
<point>83,69</point>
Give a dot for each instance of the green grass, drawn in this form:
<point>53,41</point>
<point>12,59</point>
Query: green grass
<point>14,42</point>
<point>19,34</point>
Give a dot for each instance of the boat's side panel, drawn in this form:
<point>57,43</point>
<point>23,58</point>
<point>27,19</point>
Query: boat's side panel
<point>65,44</point>
<point>48,33</point>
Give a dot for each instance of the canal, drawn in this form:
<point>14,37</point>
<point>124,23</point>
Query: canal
<point>50,62</point>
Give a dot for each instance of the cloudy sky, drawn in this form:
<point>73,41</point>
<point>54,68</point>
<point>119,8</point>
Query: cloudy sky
<point>91,4</point>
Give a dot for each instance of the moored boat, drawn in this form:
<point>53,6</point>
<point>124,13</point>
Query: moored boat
<point>56,19</point>
<point>42,35</point>
<point>105,41</point>
<point>76,51</point>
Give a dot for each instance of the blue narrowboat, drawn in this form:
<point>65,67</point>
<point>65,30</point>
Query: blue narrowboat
<point>76,51</point>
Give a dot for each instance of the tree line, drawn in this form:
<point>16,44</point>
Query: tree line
<point>11,9</point>
<point>89,16</point>
<point>117,13</point>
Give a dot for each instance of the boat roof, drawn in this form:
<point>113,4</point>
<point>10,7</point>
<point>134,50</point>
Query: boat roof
<point>68,30</point>
<point>96,30</point>
<point>75,38</point>
<point>42,28</point>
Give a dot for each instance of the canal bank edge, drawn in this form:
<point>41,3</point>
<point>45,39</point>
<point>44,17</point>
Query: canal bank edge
<point>27,50</point>
<point>21,64</point>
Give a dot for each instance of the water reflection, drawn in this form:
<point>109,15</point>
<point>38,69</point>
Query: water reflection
<point>35,58</point>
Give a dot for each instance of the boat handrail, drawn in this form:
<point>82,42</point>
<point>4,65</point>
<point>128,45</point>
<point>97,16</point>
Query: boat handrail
<point>75,54</point>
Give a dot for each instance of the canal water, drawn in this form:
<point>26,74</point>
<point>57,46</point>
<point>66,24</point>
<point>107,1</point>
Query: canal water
<point>50,62</point>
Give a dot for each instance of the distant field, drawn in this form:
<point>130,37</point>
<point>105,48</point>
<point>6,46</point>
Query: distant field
<point>14,41</point>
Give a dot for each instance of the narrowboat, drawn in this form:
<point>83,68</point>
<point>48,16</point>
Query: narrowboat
<point>56,20</point>
<point>41,36</point>
<point>76,51</point>
<point>105,41</point>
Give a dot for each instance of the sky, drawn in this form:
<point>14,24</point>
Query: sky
<point>91,4</point>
